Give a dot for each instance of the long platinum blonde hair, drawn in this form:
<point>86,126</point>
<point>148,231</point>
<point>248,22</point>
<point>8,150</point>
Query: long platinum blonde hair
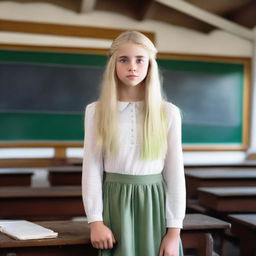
<point>154,128</point>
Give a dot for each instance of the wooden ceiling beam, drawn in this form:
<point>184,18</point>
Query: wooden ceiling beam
<point>143,8</point>
<point>87,6</point>
<point>245,15</point>
<point>219,7</point>
<point>209,18</point>
<point>171,16</point>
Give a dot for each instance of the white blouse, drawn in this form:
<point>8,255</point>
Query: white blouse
<point>128,162</point>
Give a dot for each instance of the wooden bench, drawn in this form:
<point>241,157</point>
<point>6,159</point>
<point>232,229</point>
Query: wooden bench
<point>244,227</point>
<point>61,176</point>
<point>74,239</point>
<point>218,177</point>
<point>15,177</point>
<point>41,202</point>
<point>228,199</point>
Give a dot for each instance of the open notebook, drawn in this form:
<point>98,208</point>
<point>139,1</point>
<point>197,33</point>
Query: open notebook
<point>23,230</point>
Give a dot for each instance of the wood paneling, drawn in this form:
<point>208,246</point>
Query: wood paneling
<point>63,30</point>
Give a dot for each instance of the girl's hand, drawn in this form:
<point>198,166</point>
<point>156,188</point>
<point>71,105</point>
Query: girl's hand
<point>101,236</point>
<point>170,243</point>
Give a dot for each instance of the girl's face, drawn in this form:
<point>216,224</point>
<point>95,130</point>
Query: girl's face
<point>131,64</point>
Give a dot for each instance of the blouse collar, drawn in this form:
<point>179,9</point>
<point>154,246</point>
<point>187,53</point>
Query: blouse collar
<point>122,105</point>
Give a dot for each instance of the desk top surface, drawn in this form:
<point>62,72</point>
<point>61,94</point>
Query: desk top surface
<point>32,192</point>
<point>219,173</point>
<point>77,232</point>
<point>248,220</point>
<point>197,221</point>
<point>15,171</point>
<point>68,169</point>
<point>229,191</point>
<point>69,232</point>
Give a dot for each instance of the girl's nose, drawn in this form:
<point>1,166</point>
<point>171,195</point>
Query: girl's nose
<point>132,67</point>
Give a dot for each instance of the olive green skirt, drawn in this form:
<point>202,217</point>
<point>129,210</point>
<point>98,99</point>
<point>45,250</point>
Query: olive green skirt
<point>134,209</point>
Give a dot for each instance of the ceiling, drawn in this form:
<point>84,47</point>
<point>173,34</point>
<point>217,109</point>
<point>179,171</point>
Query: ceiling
<point>242,12</point>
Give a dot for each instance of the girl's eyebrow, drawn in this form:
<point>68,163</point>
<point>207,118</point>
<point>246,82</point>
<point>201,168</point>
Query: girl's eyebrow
<point>139,56</point>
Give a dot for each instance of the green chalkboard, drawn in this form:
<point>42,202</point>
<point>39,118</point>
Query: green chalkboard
<point>43,96</point>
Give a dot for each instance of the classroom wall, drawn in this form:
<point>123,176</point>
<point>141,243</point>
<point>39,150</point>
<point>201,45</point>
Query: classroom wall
<point>169,38</point>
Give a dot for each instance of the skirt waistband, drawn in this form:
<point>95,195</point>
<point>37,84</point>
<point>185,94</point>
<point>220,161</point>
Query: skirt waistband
<point>133,179</point>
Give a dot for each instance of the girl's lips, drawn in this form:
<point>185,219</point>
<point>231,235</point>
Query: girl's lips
<point>132,76</point>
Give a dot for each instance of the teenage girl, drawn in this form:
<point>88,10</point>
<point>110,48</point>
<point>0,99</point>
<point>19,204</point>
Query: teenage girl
<point>133,176</point>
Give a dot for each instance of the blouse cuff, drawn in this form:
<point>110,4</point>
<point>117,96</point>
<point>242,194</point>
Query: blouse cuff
<point>94,218</point>
<point>174,223</point>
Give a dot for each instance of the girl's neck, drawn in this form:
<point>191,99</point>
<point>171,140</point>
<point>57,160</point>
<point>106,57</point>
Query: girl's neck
<point>131,94</point>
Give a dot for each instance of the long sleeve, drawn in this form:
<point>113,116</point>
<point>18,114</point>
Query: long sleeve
<point>92,172</point>
<point>174,172</point>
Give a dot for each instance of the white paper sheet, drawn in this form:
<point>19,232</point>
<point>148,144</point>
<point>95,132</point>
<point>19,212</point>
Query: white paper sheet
<point>23,230</point>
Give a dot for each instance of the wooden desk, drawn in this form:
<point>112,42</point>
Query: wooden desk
<point>61,176</point>
<point>244,227</point>
<point>41,202</point>
<point>74,238</point>
<point>15,177</point>
<point>197,232</point>
<point>219,177</point>
<point>228,199</point>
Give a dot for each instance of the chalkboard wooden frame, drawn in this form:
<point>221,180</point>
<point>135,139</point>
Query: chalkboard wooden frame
<point>246,100</point>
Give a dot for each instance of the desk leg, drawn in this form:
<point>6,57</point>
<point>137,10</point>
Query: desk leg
<point>247,247</point>
<point>247,237</point>
<point>202,242</point>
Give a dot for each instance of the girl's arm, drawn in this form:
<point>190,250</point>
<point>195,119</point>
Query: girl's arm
<point>92,177</point>
<point>175,184</point>
<point>92,174</point>
<point>174,171</point>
